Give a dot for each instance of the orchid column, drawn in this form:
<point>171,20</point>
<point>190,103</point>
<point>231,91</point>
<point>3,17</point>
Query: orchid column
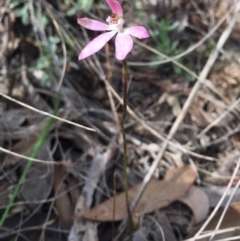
<point>123,45</point>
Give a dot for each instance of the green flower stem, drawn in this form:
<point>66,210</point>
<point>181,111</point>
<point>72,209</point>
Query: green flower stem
<point>124,114</point>
<point>35,151</point>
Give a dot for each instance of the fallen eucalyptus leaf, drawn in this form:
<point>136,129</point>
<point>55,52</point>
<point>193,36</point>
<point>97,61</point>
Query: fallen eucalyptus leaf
<point>198,201</point>
<point>158,194</point>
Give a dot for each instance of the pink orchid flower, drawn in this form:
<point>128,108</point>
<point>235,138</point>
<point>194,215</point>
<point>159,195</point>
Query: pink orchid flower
<point>123,41</point>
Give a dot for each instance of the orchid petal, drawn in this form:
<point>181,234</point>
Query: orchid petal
<point>92,24</point>
<point>137,31</point>
<point>123,45</point>
<point>96,44</point>
<point>116,7</point>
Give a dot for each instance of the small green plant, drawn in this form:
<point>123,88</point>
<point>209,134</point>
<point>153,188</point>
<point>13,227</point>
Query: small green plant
<point>160,32</point>
<point>160,35</point>
<point>79,5</point>
<point>21,10</point>
<point>47,62</point>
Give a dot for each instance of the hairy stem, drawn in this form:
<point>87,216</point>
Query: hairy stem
<point>125,88</point>
<point>124,114</point>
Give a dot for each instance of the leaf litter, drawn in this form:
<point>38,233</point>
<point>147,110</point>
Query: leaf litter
<point>85,177</point>
<point>158,194</point>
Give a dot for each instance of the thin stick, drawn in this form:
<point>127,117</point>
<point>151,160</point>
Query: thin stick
<point>211,60</point>
<point>44,113</point>
<point>225,210</point>
<point>45,162</point>
<point>114,204</point>
<point>186,52</point>
<point>221,231</point>
<point>219,119</point>
<point>219,203</point>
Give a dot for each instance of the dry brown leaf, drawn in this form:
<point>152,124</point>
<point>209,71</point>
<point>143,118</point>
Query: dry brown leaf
<point>221,9</point>
<point>198,201</point>
<point>62,203</point>
<point>74,191</point>
<point>158,194</point>
<point>173,101</point>
<point>231,219</point>
<point>4,192</point>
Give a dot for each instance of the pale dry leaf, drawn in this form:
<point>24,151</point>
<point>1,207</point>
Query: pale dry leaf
<point>198,201</point>
<point>152,147</point>
<point>73,236</point>
<point>79,230</point>
<point>91,232</point>
<point>98,166</point>
<point>158,194</point>
<point>221,9</point>
<point>175,158</point>
<point>141,234</point>
<point>183,23</point>
<point>174,103</point>
<point>79,226</point>
<point>82,230</point>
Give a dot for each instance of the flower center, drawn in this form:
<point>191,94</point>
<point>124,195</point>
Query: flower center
<point>114,18</point>
<point>116,22</point>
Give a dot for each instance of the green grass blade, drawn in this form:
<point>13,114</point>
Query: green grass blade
<point>35,151</point>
